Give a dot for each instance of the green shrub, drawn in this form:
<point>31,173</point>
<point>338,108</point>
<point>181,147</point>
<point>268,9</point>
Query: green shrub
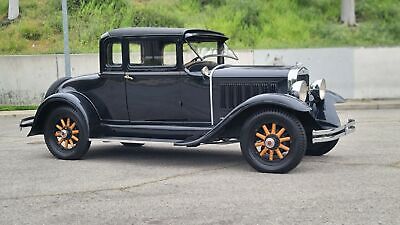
<point>148,17</point>
<point>56,24</point>
<point>248,23</point>
<point>211,2</point>
<point>12,46</point>
<point>31,31</point>
<point>3,8</point>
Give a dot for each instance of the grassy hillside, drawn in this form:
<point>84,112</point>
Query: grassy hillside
<point>249,23</point>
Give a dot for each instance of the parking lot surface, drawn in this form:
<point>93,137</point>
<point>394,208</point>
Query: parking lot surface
<point>357,183</point>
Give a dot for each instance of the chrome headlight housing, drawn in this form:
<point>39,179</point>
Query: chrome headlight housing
<point>300,90</point>
<point>318,89</point>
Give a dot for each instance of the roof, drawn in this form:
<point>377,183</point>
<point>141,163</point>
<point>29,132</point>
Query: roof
<point>145,31</point>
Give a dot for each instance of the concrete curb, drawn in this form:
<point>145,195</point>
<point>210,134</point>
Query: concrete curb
<point>349,105</point>
<point>368,104</point>
<point>17,113</point>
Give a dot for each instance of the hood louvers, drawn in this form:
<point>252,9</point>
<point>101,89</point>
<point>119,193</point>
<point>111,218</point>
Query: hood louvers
<point>232,94</point>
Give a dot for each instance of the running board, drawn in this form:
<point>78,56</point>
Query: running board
<point>132,139</point>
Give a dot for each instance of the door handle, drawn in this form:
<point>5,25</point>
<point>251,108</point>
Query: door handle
<point>128,77</point>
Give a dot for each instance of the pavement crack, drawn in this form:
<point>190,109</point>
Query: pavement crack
<point>126,188</point>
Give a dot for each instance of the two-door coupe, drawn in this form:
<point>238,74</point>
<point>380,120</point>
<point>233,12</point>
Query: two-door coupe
<point>172,85</point>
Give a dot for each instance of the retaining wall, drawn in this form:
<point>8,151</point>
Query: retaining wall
<point>353,72</point>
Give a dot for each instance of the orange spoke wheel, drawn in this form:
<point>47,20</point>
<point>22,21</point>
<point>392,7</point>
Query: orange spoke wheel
<point>272,141</point>
<point>67,133</point>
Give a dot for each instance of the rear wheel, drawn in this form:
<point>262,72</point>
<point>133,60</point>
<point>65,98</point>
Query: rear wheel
<point>273,141</point>
<point>322,148</point>
<point>66,134</point>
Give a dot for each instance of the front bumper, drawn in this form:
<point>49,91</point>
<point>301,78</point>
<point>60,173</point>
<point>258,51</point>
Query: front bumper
<point>333,134</point>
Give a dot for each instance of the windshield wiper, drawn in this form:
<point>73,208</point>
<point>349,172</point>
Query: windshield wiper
<point>191,47</point>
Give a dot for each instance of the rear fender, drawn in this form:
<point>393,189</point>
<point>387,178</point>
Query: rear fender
<point>75,100</point>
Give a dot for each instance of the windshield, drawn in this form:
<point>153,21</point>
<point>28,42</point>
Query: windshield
<point>206,49</point>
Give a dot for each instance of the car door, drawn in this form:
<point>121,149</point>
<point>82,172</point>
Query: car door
<point>195,92</point>
<point>153,81</point>
<point>107,91</point>
<point>196,98</point>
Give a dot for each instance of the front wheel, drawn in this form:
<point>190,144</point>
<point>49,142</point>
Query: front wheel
<point>273,141</point>
<point>66,133</point>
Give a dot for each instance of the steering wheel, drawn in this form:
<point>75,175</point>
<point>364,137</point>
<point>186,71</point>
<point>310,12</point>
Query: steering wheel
<point>192,61</point>
<point>197,66</point>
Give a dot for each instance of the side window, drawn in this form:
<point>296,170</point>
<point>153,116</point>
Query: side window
<point>135,56</point>
<point>152,53</point>
<point>114,54</point>
<point>169,54</point>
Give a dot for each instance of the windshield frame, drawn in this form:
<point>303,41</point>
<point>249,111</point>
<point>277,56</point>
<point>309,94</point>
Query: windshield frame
<point>219,41</point>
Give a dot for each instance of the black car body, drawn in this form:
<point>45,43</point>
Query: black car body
<point>139,96</point>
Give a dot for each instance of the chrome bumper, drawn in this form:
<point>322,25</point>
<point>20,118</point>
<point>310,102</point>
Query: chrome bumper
<point>335,133</point>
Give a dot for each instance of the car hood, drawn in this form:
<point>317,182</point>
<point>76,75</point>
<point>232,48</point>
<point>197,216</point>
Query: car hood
<point>252,71</point>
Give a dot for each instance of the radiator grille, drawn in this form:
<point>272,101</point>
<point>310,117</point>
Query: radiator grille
<point>232,94</point>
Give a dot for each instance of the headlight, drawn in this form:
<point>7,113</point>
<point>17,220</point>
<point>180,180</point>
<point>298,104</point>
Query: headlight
<point>300,90</point>
<point>318,89</point>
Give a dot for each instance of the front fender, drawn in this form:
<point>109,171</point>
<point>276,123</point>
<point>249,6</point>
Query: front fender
<point>325,112</point>
<point>284,101</point>
<point>73,99</point>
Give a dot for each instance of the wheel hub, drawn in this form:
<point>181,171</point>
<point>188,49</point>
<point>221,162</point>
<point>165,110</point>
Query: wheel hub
<point>67,133</point>
<point>64,133</point>
<point>270,143</point>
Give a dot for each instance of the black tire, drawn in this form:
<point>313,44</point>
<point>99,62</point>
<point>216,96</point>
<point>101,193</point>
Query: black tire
<point>71,151</point>
<point>294,130</point>
<point>126,144</point>
<point>322,148</point>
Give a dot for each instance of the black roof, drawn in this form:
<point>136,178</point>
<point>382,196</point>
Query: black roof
<point>144,31</point>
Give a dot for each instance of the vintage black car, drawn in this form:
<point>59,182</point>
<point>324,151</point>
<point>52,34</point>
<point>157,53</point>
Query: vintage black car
<point>172,85</point>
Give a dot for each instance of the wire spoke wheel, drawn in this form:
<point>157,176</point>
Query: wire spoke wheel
<point>272,144</point>
<point>67,133</point>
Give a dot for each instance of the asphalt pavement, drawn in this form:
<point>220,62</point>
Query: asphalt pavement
<point>357,183</point>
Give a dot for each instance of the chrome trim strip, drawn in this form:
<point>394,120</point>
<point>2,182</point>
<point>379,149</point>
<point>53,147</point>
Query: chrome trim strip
<point>333,134</point>
<point>211,92</point>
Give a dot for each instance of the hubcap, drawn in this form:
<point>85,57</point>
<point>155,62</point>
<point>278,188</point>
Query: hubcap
<point>64,133</point>
<point>271,142</point>
<point>67,133</point>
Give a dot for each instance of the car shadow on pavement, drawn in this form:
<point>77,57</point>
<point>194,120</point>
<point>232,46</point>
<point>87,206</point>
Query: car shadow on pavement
<point>167,155</point>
